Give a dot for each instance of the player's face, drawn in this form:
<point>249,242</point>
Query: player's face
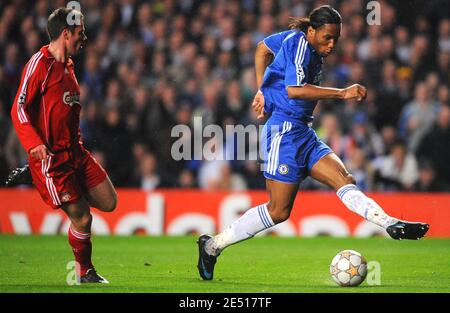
<point>325,38</point>
<point>76,40</point>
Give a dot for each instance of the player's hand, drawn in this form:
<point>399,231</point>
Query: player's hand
<point>40,152</point>
<point>258,105</point>
<point>355,91</point>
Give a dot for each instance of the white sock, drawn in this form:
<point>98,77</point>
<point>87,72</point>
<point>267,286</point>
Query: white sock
<point>248,225</point>
<point>358,202</point>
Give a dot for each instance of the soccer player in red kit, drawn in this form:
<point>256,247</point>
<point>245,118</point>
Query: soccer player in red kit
<point>46,116</point>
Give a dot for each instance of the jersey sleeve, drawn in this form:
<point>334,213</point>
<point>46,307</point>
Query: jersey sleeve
<point>274,41</point>
<point>27,92</point>
<point>296,56</point>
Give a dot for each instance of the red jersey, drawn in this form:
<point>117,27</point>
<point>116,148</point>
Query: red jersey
<point>46,108</point>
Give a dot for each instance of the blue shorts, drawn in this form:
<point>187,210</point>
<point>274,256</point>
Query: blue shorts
<point>290,149</point>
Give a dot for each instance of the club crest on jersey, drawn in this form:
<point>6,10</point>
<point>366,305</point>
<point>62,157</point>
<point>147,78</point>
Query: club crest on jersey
<point>283,169</point>
<point>71,98</point>
<point>65,197</point>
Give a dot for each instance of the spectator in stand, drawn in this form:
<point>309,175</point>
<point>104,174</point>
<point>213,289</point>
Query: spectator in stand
<point>418,116</point>
<point>435,145</point>
<point>358,166</point>
<point>150,177</point>
<point>428,180</point>
<point>397,171</point>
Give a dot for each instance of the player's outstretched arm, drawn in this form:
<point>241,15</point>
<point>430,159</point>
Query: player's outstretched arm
<point>313,92</point>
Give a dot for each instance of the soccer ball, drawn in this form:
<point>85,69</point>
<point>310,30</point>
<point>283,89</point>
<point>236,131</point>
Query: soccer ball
<point>348,268</point>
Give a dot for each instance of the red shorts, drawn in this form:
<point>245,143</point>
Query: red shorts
<point>66,177</point>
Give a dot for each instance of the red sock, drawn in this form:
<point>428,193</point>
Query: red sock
<point>82,249</point>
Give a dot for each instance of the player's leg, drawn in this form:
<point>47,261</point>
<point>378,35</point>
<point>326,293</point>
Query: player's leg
<point>94,189</point>
<point>330,171</point>
<point>258,218</point>
<point>79,233</point>
<point>253,221</point>
<point>99,190</point>
<point>282,174</point>
<point>62,190</point>
<point>79,236</point>
<point>103,196</point>
<point>282,196</point>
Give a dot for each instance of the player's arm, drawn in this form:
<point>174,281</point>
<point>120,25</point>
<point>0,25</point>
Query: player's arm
<point>263,57</point>
<point>27,92</point>
<point>313,92</point>
<point>295,53</point>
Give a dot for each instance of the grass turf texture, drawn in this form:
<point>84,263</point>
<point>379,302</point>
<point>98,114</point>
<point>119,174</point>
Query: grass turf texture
<point>269,264</point>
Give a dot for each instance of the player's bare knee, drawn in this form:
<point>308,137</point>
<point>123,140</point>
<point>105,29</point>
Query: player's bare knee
<point>282,216</point>
<point>279,213</point>
<point>112,203</point>
<point>87,220</point>
<point>82,222</point>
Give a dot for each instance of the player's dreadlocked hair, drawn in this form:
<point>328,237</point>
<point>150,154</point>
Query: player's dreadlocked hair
<point>324,14</point>
<point>58,21</point>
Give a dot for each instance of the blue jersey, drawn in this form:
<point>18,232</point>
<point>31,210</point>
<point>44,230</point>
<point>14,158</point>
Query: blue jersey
<point>295,64</point>
<point>273,42</point>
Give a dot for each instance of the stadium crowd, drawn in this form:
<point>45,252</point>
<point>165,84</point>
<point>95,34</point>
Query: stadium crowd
<point>151,65</point>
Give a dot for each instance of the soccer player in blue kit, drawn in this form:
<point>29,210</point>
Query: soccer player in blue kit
<point>289,90</point>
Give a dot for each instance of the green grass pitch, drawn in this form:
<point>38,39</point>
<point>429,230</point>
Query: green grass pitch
<point>263,264</point>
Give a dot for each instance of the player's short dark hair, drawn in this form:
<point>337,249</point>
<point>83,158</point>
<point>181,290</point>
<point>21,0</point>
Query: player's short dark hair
<point>318,17</point>
<point>57,22</point>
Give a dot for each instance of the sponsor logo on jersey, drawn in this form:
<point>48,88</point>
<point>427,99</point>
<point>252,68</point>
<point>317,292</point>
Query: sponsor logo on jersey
<point>71,98</point>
